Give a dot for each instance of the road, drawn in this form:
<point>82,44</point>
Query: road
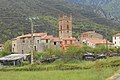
<point>118,78</point>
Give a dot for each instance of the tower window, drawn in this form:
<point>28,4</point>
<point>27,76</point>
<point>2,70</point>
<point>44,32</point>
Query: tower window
<point>61,27</point>
<point>67,27</point>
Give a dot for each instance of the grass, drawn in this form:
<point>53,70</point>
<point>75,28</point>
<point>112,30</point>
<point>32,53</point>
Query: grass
<point>95,73</point>
<point>90,74</point>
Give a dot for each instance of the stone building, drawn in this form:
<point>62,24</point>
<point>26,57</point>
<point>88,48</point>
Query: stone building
<point>95,42</point>
<point>66,42</point>
<point>22,44</point>
<point>65,26</point>
<point>91,34</point>
<point>56,43</point>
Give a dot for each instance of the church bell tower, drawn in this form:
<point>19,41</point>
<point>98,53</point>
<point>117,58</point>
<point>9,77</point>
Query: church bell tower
<point>65,26</point>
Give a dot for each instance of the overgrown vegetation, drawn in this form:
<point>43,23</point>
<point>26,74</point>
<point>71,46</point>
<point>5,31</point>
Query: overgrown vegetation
<point>74,53</point>
<point>7,48</point>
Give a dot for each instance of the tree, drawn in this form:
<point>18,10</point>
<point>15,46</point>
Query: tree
<point>8,46</point>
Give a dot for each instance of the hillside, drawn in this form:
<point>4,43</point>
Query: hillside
<point>107,8</point>
<point>14,16</point>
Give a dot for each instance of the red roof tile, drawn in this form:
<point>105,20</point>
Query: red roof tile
<point>118,34</point>
<point>98,41</point>
<point>69,38</point>
<point>56,40</point>
<point>47,37</point>
<point>88,32</point>
<point>29,35</point>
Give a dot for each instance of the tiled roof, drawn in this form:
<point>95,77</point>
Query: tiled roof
<point>98,41</point>
<point>69,38</point>
<point>88,32</point>
<point>47,37</point>
<point>118,34</point>
<point>56,40</point>
<point>29,35</point>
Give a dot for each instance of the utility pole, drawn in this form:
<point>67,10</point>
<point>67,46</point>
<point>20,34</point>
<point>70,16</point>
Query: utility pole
<point>106,44</point>
<point>32,42</point>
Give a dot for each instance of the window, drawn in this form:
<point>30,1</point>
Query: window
<point>46,40</point>
<point>65,42</point>
<point>115,37</point>
<point>60,42</point>
<point>67,27</point>
<point>35,48</point>
<point>115,42</point>
<point>61,27</point>
<point>23,41</point>
<point>70,41</point>
<point>54,43</point>
<point>14,44</point>
<point>67,31</point>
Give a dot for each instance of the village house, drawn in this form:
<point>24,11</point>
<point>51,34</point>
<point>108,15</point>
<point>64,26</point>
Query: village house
<point>90,34</point>
<point>22,44</point>
<point>95,42</point>
<point>66,42</point>
<point>56,43</point>
<point>116,40</point>
<point>93,39</point>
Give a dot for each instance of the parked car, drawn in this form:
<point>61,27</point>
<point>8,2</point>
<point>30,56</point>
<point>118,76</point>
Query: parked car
<point>114,54</point>
<point>88,57</point>
<point>101,56</point>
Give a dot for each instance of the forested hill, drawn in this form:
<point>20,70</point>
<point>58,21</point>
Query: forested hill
<point>14,16</point>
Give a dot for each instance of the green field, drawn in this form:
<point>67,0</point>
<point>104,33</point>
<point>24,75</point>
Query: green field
<point>90,74</point>
<point>97,70</point>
